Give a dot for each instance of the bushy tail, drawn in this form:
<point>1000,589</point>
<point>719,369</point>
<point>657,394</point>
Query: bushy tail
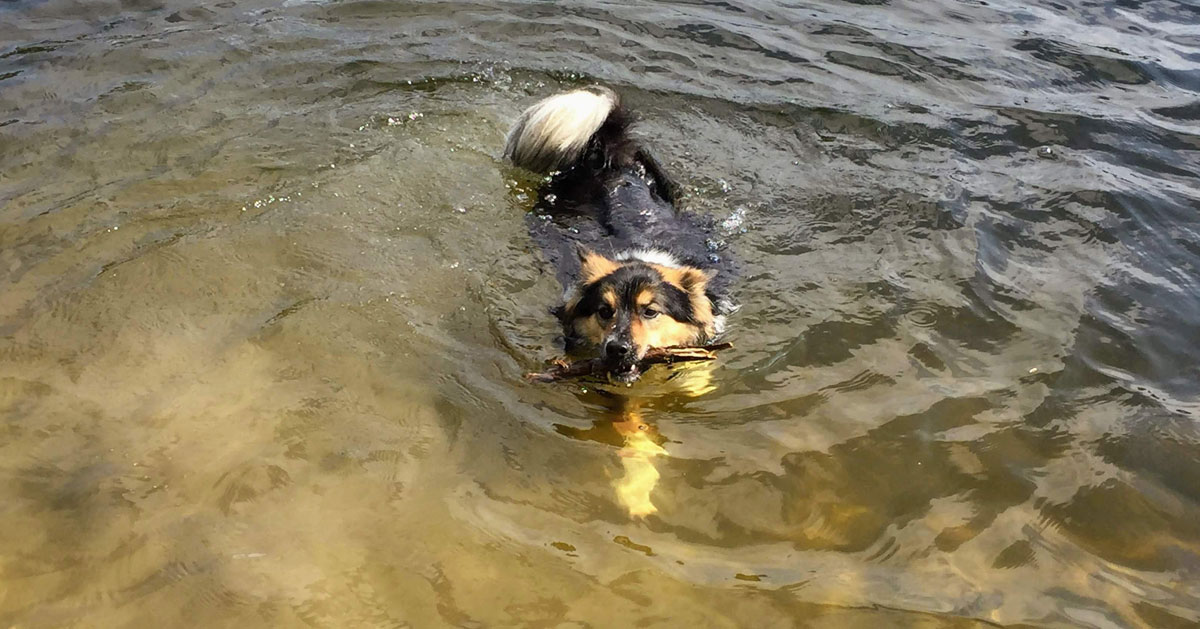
<point>555,133</point>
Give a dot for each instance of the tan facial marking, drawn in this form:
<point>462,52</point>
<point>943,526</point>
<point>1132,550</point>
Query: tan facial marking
<point>694,282</point>
<point>593,328</point>
<point>590,329</point>
<point>610,297</point>
<point>592,267</point>
<point>663,331</point>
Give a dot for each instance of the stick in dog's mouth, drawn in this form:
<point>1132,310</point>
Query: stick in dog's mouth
<point>563,370</point>
<point>625,374</point>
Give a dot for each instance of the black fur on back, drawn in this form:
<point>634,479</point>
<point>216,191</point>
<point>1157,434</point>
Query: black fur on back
<point>617,198</point>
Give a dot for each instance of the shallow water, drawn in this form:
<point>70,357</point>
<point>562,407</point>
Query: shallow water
<point>268,298</point>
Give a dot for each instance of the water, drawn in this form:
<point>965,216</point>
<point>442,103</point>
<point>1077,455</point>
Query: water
<point>268,298</point>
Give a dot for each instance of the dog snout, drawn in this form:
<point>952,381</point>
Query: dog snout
<point>617,350</point>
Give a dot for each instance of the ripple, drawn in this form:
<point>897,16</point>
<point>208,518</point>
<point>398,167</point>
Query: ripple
<point>923,315</point>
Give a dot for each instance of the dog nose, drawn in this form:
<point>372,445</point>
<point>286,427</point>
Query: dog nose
<point>616,349</point>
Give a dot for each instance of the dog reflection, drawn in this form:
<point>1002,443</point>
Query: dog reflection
<point>626,424</point>
<point>642,444</point>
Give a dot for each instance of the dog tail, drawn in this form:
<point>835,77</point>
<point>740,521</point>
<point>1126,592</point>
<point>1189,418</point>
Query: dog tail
<point>557,132</point>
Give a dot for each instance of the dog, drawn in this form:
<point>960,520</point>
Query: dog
<point>637,273</point>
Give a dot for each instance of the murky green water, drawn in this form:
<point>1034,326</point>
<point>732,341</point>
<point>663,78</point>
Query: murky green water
<point>268,298</point>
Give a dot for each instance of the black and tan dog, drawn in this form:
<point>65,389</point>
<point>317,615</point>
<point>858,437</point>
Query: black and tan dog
<point>637,272</point>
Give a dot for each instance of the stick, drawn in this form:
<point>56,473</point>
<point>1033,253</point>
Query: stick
<point>562,370</point>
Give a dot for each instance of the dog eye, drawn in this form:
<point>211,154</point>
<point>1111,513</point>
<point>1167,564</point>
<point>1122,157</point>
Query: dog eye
<point>604,312</point>
<point>649,313</point>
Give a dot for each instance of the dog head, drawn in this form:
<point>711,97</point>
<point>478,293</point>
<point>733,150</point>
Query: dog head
<point>622,308</point>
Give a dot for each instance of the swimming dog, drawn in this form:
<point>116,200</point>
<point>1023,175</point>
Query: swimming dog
<point>637,273</point>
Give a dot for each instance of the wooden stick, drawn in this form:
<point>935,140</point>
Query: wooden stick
<point>562,370</point>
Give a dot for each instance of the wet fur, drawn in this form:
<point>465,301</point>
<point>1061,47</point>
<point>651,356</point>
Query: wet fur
<point>634,269</point>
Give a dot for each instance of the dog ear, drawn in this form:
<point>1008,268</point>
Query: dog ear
<point>592,266</point>
<point>694,281</point>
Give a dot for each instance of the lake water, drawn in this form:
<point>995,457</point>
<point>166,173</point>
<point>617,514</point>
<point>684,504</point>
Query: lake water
<point>268,297</point>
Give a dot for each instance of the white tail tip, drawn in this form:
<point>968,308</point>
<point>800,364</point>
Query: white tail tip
<point>554,133</point>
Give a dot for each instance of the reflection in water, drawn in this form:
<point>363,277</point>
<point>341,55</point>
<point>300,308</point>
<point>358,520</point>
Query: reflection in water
<point>642,443</point>
<point>623,424</point>
<point>627,421</point>
<point>642,446</point>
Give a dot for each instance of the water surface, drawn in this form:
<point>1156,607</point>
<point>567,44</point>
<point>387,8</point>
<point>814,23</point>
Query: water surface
<point>268,298</point>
